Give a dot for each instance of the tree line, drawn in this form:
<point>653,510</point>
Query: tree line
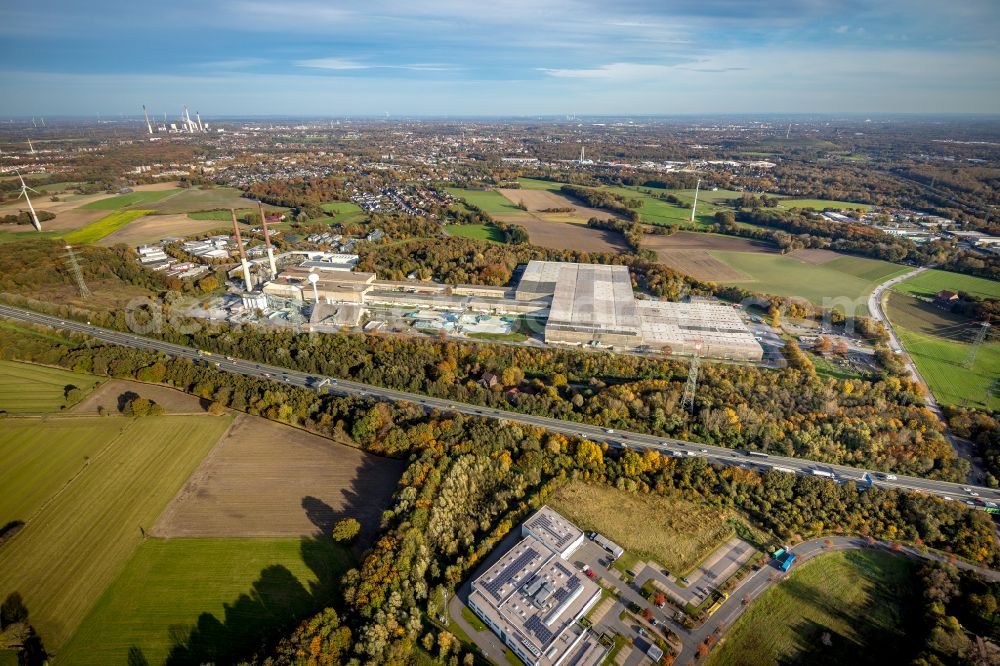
<point>471,480</point>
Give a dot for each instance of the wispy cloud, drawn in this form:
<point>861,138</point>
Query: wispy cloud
<point>346,64</point>
<point>615,70</point>
<point>233,63</point>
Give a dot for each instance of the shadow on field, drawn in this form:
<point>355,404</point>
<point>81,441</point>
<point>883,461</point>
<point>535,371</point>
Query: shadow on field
<point>277,600</point>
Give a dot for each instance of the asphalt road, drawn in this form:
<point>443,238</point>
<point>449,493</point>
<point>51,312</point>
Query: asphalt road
<point>715,454</point>
<point>876,307</point>
<point>768,575</point>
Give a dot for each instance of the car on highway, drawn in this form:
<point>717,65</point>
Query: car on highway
<point>703,450</point>
<point>610,431</point>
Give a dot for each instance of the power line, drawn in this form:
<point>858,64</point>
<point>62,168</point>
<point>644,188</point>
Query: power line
<point>692,381</point>
<point>84,290</point>
<point>970,358</point>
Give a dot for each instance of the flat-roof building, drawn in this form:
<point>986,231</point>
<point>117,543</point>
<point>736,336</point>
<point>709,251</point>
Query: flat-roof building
<point>595,304</point>
<point>533,598</point>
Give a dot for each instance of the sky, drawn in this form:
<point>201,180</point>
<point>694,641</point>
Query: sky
<point>499,57</point>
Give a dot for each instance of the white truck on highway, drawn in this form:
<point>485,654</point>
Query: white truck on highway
<point>826,474</point>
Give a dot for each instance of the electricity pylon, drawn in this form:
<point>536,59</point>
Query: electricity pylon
<point>692,381</point>
<point>84,290</point>
<point>970,358</point>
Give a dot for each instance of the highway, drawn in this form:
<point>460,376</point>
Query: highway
<point>616,438</point>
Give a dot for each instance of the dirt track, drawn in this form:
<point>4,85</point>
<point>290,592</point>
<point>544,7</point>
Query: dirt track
<point>268,479</point>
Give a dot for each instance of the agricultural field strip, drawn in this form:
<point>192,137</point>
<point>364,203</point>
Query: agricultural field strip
<point>98,519</point>
<point>37,389</point>
<point>713,453</point>
<point>112,442</point>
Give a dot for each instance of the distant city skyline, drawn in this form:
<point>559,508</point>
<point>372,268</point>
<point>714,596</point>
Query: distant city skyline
<point>439,58</point>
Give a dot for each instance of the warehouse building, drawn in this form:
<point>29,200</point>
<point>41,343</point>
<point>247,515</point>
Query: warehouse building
<point>593,304</point>
<point>533,598</point>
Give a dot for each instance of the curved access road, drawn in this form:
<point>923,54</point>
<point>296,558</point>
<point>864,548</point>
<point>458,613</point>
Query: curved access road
<point>876,306</point>
<point>768,576</point>
<point>972,495</point>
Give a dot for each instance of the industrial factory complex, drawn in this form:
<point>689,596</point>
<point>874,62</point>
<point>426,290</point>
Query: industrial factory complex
<point>533,598</point>
<point>581,304</point>
<point>589,305</point>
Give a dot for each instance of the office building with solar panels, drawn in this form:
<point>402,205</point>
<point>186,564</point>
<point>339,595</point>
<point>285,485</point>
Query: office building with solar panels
<point>533,598</point>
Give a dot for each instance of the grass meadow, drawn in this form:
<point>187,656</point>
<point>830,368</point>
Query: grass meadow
<point>342,212</point>
<point>34,470</point>
<point>216,597</point>
<point>490,201</point>
<point>486,232</point>
<point>863,600</point>
<point>931,282</point>
<point>939,342</point>
<point>676,533</point>
<point>85,530</point>
<point>131,199</point>
<point>820,204</point>
<point>782,275</point>
<point>36,389</point>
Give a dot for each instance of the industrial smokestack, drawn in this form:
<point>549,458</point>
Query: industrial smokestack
<point>267,241</point>
<point>197,117</point>
<point>187,120</point>
<point>149,125</point>
<point>243,254</point>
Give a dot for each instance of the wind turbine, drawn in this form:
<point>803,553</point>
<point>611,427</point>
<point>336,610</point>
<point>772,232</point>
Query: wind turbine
<point>24,193</point>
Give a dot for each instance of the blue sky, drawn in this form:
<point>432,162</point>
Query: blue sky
<point>481,57</point>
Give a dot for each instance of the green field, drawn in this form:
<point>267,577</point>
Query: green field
<point>783,275</point>
<point>931,282</point>
<point>131,199</point>
<point>34,469</point>
<point>535,184</point>
<point>863,600</point>
<point>105,226</point>
<point>343,212</point>
<point>486,232</point>
<point>232,592</point>
<point>663,213</point>
<point>35,389</point>
<point>177,200</point>
<point>80,540</point>
<point>489,201</point>
<point>57,187</point>
<point>676,533</point>
<point>939,342</point>
<point>820,204</point>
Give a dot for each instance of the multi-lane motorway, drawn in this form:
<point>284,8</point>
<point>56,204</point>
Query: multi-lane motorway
<point>617,438</point>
